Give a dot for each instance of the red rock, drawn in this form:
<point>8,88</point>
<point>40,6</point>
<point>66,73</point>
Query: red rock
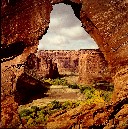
<point>93,67</point>
<point>41,67</point>
<point>105,20</point>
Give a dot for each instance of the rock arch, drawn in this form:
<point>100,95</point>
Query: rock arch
<point>105,20</point>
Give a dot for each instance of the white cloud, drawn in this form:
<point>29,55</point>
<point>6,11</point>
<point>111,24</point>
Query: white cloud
<point>65,31</point>
<point>75,32</point>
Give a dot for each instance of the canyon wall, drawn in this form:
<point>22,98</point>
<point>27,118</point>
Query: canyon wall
<point>39,68</point>
<point>93,67</point>
<point>89,65</point>
<point>66,60</point>
<point>107,23</point>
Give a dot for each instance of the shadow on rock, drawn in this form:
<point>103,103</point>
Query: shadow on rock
<point>29,89</point>
<point>104,85</point>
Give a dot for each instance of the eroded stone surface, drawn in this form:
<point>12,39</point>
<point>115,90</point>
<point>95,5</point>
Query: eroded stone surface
<point>92,116</point>
<point>40,68</point>
<point>66,60</point>
<point>107,23</point>
<point>10,71</point>
<point>89,64</point>
<point>105,20</point>
<point>9,113</point>
<point>26,21</point>
<point>93,67</point>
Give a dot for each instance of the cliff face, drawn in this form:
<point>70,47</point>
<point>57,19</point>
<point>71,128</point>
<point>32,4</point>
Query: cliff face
<point>67,61</point>
<point>41,67</point>
<point>90,64</point>
<point>93,67</point>
<point>107,22</point>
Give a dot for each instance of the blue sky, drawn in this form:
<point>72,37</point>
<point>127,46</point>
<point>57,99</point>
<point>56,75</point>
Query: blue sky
<point>65,31</point>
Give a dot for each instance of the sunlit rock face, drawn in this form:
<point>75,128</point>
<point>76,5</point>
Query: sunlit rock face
<point>93,67</point>
<point>66,60</point>
<point>21,21</point>
<point>90,65</point>
<point>40,68</point>
<point>26,21</point>
<point>105,20</point>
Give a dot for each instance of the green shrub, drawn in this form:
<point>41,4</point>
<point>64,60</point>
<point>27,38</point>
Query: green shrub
<point>111,87</point>
<point>88,94</point>
<point>25,112</point>
<point>37,116</point>
<point>40,118</point>
<point>74,86</point>
<point>106,95</point>
<point>66,105</point>
<point>104,86</point>
<point>55,104</point>
<point>32,115</point>
<point>34,109</point>
<point>83,88</point>
<point>57,81</point>
<point>30,121</point>
<point>42,112</point>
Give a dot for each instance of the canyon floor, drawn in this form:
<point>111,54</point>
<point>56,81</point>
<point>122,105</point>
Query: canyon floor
<point>60,93</point>
<point>63,107</point>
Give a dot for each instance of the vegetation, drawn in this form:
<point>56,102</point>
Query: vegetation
<point>95,94</point>
<point>57,81</point>
<point>36,116</point>
<point>98,92</point>
<point>73,86</point>
<point>104,86</point>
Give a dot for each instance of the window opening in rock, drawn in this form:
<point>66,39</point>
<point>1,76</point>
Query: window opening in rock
<point>65,31</point>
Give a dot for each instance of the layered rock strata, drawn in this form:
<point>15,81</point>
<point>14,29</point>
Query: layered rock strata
<point>89,65</point>
<point>105,20</point>
<point>93,67</point>
<point>67,61</point>
<point>40,68</point>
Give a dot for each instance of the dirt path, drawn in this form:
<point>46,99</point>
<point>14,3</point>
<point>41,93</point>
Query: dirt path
<point>56,92</point>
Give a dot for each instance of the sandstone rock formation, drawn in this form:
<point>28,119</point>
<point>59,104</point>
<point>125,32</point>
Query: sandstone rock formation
<point>39,68</point>
<point>67,61</point>
<point>10,71</point>
<point>92,117</point>
<point>29,88</point>
<point>105,20</point>
<point>90,64</point>
<point>93,67</point>
<point>107,23</point>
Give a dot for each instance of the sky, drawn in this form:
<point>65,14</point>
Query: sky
<point>65,31</point>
